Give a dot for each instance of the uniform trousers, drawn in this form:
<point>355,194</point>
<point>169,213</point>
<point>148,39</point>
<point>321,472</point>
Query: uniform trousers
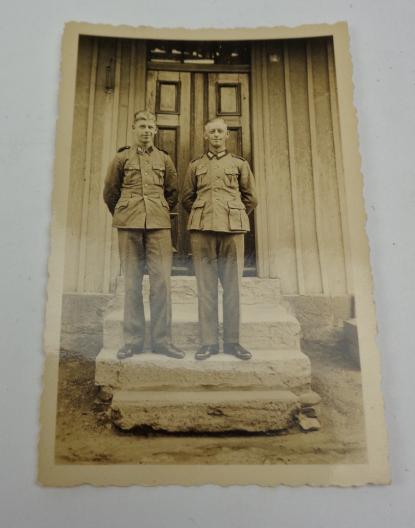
<point>218,255</point>
<point>153,247</point>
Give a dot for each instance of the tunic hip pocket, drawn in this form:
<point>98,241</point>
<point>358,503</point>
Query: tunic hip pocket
<point>196,215</point>
<point>238,219</point>
<point>164,202</point>
<point>122,204</point>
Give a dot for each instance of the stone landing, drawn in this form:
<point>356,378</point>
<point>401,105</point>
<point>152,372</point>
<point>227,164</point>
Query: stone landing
<point>221,394</point>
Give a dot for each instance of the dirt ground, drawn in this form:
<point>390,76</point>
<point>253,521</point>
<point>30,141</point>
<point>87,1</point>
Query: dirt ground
<point>84,435</point>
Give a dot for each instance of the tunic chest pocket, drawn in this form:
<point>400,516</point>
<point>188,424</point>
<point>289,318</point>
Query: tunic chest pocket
<point>158,174</point>
<point>231,177</point>
<point>131,166</point>
<point>201,173</point>
<point>131,173</point>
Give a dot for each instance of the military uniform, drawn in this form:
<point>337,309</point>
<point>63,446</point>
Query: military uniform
<point>140,189</point>
<point>219,193</point>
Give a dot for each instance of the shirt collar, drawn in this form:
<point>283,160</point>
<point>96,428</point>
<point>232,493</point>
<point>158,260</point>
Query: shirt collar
<point>147,150</point>
<point>219,155</point>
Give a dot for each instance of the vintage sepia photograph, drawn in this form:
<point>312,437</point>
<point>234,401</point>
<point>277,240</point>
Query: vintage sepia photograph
<point>210,315</point>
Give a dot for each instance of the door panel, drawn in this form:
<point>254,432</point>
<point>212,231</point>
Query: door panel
<point>183,102</point>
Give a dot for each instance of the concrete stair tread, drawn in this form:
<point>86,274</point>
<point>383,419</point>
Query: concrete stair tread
<point>188,313</point>
<point>268,369</point>
<point>192,397</point>
<point>184,289</point>
<point>206,411</point>
<point>218,361</point>
<point>191,279</point>
<point>260,328</point>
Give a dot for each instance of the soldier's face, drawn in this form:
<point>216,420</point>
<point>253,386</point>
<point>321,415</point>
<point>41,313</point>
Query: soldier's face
<point>144,131</point>
<point>216,133</point>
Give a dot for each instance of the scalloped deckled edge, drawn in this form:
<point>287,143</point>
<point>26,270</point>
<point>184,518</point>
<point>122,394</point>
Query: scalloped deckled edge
<point>377,469</point>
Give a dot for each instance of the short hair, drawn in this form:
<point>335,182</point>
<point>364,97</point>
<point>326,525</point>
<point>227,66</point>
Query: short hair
<point>215,120</point>
<point>144,114</point>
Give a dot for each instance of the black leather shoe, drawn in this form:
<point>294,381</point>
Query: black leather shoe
<point>206,351</point>
<point>129,350</point>
<point>237,350</point>
<point>169,350</point>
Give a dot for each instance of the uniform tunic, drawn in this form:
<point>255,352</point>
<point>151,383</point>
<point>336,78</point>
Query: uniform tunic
<point>140,188</point>
<point>219,193</point>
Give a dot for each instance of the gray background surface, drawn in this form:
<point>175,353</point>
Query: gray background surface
<point>383,52</point>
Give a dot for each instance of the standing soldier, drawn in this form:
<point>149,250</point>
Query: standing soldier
<point>140,189</point>
<point>219,194</point>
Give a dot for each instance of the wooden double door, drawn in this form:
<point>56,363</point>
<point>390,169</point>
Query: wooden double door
<point>183,101</point>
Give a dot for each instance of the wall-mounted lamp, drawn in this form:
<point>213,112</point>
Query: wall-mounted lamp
<point>110,77</point>
<point>274,57</point>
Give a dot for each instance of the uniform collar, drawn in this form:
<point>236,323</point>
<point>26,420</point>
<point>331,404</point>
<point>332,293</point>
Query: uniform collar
<point>219,155</point>
<point>147,150</point>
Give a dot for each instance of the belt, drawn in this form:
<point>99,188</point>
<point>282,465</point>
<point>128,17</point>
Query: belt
<point>130,194</point>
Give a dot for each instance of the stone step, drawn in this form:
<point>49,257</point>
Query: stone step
<point>352,342</point>
<point>184,290</point>
<point>268,369</point>
<point>263,326</point>
<point>207,411</point>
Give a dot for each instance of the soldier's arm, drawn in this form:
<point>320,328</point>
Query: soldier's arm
<point>189,189</point>
<point>247,187</point>
<point>113,182</point>
<point>170,183</point>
